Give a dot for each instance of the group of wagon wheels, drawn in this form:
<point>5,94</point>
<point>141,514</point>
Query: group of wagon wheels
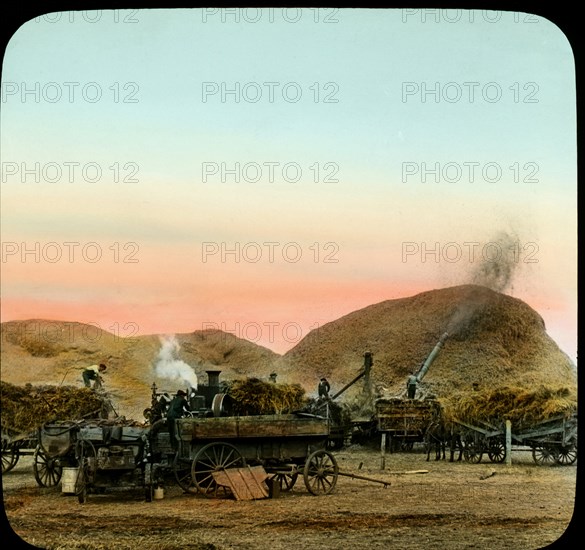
<point>476,444</point>
<point>544,452</point>
<point>320,471</point>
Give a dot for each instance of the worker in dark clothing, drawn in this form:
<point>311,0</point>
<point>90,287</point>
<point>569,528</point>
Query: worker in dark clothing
<point>178,407</point>
<point>324,388</point>
<point>411,385</point>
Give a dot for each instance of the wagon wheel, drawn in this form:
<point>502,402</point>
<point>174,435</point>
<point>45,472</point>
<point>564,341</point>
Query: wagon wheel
<point>406,445</point>
<point>149,478</point>
<point>47,469</point>
<point>472,449</point>
<point>86,454</point>
<point>567,454</point>
<point>320,472</point>
<point>81,485</point>
<point>214,457</point>
<point>286,480</point>
<point>544,454</point>
<point>497,451</point>
<point>182,472</point>
<point>10,455</point>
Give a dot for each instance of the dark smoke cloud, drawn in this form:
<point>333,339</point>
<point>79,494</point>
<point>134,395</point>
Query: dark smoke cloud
<point>498,260</point>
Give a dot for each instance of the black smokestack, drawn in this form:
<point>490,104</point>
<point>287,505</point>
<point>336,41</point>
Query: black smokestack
<point>213,378</point>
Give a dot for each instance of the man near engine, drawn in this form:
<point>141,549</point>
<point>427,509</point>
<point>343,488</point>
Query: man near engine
<point>178,407</point>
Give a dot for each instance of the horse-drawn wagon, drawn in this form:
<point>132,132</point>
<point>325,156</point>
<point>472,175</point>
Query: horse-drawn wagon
<point>551,441</point>
<point>285,445</point>
<point>405,421</point>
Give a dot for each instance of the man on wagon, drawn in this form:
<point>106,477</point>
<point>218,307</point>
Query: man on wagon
<point>411,385</point>
<point>178,407</point>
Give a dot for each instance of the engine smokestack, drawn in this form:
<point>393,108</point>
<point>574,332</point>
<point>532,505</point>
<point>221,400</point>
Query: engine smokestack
<point>213,378</point>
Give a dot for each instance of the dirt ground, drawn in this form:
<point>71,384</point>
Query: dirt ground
<point>453,506</point>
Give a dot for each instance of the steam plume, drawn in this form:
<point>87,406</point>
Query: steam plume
<point>170,367</point>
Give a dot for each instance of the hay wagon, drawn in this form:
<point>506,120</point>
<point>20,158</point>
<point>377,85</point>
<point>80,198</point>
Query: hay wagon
<point>405,421</point>
<point>284,445</point>
<point>551,441</point>
<point>15,445</point>
<point>48,445</point>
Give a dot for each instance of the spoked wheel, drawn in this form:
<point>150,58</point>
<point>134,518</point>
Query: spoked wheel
<point>81,485</point>
<point>47,470</point>
<point>567,454</point>
<point>406,445</point>
<point>497,451</point>
<point>214,457</point>
<point>320,472</point>
<point>10,455</point>
<point>286,480</point>
<point>472,449</point>
<point>86,455</point>
<point>544,454</point>
<point>182,472</point>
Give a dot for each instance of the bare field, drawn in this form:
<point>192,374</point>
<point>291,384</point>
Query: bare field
<point>454,505</point>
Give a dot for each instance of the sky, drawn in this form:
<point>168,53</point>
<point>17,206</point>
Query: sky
<point>268,171</point>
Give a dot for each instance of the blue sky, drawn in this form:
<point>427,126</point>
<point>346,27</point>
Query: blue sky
<point>352,122</point>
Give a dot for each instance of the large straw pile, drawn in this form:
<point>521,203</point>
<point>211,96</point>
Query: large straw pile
<point>253,396</point>
<point>494,339</point>
<point>25,408</point>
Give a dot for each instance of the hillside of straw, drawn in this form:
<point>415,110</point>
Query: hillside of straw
<point>55,352</point>
<point>496,343</point>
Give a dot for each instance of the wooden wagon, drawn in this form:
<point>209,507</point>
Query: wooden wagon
<point>51,446</point>
<point>551,441</point>
<point>284,445</point>
<point>405,421</point>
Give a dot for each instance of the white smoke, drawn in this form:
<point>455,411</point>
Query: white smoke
<point>169,366</point>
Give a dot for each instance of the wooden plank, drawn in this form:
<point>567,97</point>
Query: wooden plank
<point>251,426</point>
<point>245,483</point>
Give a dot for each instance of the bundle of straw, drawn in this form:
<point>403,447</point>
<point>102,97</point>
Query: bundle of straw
<point>25,408</point>
<point>253,396</point>
<point>520,405</point>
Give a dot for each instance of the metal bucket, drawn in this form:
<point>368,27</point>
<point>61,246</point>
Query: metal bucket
<point>68,479</point>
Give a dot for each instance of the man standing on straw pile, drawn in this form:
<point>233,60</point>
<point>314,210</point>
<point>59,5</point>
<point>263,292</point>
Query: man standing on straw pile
<point>93,373</point>
<point>324,388</point>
